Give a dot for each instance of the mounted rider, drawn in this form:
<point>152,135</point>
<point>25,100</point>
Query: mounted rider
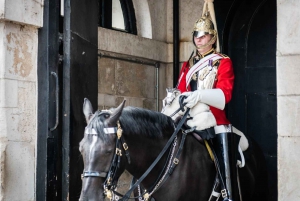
<point>208,77</point>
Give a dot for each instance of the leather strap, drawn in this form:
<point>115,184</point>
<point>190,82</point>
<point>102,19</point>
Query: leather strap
<point>176,158</point>
<point>127,195</point>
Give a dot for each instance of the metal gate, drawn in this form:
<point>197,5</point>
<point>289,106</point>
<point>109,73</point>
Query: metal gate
<point>67,73</point>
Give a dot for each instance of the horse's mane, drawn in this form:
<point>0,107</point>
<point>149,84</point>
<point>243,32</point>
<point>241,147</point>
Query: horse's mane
<point>139,121</point>
<point>136,121</point>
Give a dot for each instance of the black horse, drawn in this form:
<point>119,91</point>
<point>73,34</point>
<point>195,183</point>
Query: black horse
<point>146,133</point>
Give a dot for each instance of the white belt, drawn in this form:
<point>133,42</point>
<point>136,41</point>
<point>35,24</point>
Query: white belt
<point>223,129</point>
<point>243,144</point>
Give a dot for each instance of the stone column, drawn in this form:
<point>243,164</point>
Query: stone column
<point>19,23</point>
<point>288,96</point>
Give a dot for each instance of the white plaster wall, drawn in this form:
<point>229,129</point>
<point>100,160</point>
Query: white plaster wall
<point>288,98</point>
<point>19,20</point>
<point>143,18</point>
<point>18,56</point>
<point>117,15</point>
<point>158,10</point>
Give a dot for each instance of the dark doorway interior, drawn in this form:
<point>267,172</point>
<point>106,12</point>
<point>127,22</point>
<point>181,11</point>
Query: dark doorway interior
<point>48,166</point>
<point>80,80</point>
<point>247,31</point>
<point>67,73</point>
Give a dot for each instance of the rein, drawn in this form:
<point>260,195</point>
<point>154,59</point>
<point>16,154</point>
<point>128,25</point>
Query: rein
<point>181,105</point>
<point>127,195</point>
<point>109,183</point>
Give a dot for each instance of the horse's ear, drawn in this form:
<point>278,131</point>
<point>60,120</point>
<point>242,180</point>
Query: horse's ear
<point>114,117</point>
<point>87,109</point>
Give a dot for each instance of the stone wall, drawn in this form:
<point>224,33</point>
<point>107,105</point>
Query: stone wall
<point>18,63</point>
<point>288,96</point>
<point>119,79</point>
<point>124,79</point>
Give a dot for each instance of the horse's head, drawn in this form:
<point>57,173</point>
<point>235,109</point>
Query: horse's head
<point>98,149</point>
<point>172,93</point>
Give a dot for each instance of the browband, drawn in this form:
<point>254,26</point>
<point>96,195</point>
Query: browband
<point>92,131</point>
<point>110,130</point>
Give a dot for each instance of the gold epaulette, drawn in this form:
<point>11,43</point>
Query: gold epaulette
<point>223,55</point>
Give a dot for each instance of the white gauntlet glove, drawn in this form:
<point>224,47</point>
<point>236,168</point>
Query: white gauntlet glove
<point>212,97</point>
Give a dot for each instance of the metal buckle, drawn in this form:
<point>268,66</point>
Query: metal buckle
<point>118,152</point>
<point>146,196</point>
<point>125,146</point>
<point>109,180</point>
<point>176,161</point>
<point>119,131</point>
<point>224,193</point>
<point>189,130</point>
<point>108,193</point>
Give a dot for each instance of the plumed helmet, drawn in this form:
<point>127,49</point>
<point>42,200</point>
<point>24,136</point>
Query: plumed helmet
<point>203,26</point>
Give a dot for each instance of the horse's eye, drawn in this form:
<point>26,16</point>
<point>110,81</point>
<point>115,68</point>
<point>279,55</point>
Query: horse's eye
<point>106,116</point>
<point>108,151</point>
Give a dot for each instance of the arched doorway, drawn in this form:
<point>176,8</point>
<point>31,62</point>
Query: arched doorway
<point>247,31</point>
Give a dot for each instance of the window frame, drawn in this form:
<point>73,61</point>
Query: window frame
<point>105,16</point>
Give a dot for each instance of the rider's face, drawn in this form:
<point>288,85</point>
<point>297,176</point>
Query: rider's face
<point>203,40</point>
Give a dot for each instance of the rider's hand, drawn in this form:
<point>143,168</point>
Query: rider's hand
<point>187,93</point>
<point>192,98</point>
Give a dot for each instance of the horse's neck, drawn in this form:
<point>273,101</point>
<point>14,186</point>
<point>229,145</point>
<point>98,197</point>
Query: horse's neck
<point>143,151</point>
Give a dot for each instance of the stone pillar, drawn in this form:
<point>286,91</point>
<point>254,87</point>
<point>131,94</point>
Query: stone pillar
<point>288,96</point>
<point>19,21</point>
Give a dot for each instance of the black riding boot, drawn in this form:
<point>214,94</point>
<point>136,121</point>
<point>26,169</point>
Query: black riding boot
<point>226,148</point>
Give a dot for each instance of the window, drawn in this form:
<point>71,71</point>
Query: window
<point>117,15</point>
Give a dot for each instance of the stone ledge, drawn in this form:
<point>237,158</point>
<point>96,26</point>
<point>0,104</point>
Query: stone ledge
<point>30,12</point>
<point>136,46</point>
<point>129,44</point>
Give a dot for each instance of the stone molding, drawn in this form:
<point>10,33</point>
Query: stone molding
<point>29,12</point>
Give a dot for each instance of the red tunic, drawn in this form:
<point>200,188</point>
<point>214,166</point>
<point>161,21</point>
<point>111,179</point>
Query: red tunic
<point>224,81</point>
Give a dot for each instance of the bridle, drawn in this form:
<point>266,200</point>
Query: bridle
<point>110,182</point>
